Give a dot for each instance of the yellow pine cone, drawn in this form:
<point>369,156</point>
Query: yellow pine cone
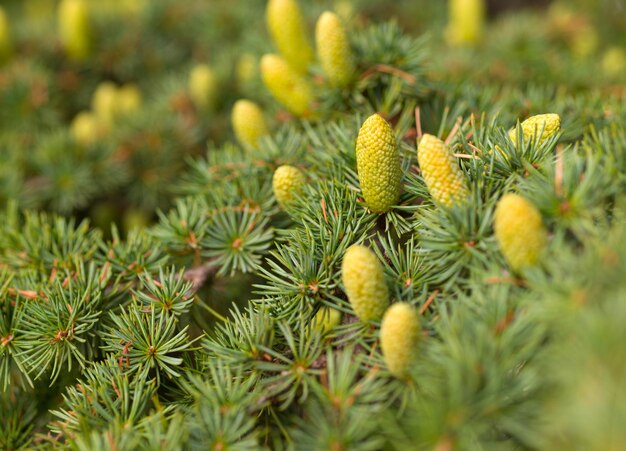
<point>287,183</point>
<point>287,86</point>
<point>378,164</point>
<point>399,337</point>
<point>287,29</point>
<point>203,87</point>
<point>466,21</point>
<point>333,49</point>
<point>6,46</point>
<point>364,283</point>
<point>86,128</point>
<point>326,319</point>
<point>75,28</point>
<point>248,123</point>
<point>519,231</point>
<point>104,102</point>
<point>128,99</point>
<point>539,128</point>
<point>444,179</point>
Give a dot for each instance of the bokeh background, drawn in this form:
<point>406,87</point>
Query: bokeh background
<point>105,129</point>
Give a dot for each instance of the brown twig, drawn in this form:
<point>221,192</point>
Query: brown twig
<point>429,301</point>
<point>410,79</point>
<point>558,171</point>
<point>199,274</point>
<point>418,122</point>
<point>456,127</point>
<point>474,148</point>
<point>323,204</point>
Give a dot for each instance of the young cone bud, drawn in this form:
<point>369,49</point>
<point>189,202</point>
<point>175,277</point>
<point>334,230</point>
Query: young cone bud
<point>248,123</point>
<point>399,337</point>
<point>128,99</point>
<point>287,183</point>
<point>86,128</point>
<point>466,21</point>
<point>345,9</point>
<point>443,177</point>
<point>520,231</point>
<point>286,26</point>
<point>538,128</point>
<point>364,283</point>
<point>203,87</point>
<point>247,69</point>
<point>333,49</point>
<point>614,62</point>
<point>74,28</point>
<point>378,164</point>
<point>326,319</point>
<point>287,86</point>
<point>104,102</point>
<point>6,46</point>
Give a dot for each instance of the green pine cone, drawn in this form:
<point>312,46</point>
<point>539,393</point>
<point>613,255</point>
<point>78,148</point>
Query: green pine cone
<point>364,283</point>
<point>399,336</point>
<point>287,86</point>
<point>539,128</point>
<point>286,26</point>
<point>287,183</point>
<point>443,177</point>
<point>378,164</point>
<point>203,87</point>
<point>326,319</point>
<point>466,22</point>
<point>6,46</point>
<point>333,49</point>
<point>248,123</point>
<point>75,28</point>
<point>519,230</point>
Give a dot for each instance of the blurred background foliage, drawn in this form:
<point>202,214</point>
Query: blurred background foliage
<point>107,134</point>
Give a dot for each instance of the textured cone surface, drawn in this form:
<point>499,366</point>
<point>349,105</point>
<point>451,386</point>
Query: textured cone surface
<point>538,128</point>
<point>287,86</point>
<point>466,21</point>
<point>364,282</point>
<point>520,231</point>
<point>203,88</point>
<point>444,179</point>
<point>74,28</point>
<point>288,182</point>
<point>378,164</point>
<point>399,337</point>
<point>248,123</point>
<point>6,46</point>
<point>326,319</point>
<point>333,49</point>
<point>286,26</point>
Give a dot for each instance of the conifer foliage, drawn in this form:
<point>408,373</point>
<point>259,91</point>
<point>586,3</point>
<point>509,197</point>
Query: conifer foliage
<point>308,225</point>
